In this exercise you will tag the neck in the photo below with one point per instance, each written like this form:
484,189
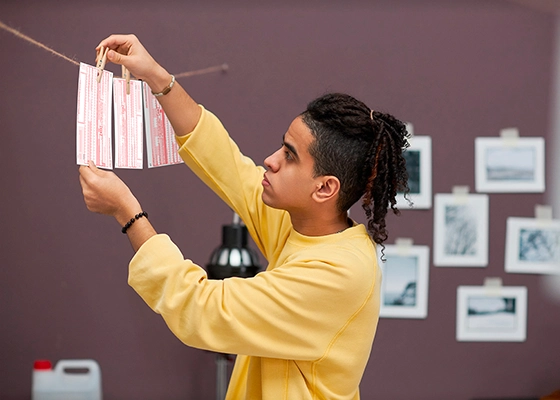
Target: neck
320,226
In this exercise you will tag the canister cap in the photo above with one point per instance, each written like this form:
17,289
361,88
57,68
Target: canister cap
42,365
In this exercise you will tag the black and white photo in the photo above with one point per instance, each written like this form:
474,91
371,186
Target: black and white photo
461,230
532,246
404,288
491,313
509,165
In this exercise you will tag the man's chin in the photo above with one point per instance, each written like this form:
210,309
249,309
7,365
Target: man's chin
267,201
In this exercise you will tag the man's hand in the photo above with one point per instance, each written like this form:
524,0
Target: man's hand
128,51
105,193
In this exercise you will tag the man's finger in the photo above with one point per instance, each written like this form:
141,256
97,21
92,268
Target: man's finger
93,167
115,57
84,170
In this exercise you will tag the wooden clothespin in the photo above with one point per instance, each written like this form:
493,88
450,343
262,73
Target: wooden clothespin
126,75
101,62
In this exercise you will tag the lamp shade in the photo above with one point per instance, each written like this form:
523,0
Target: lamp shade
233,257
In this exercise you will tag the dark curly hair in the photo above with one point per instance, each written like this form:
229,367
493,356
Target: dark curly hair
364,150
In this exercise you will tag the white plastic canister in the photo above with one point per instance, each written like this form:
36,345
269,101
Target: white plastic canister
69,380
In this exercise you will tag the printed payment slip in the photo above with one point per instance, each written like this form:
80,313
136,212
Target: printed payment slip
128,124
93,122
161,146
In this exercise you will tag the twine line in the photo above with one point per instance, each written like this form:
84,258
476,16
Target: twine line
36,43
222,68
15,32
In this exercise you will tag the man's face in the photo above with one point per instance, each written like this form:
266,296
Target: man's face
288,183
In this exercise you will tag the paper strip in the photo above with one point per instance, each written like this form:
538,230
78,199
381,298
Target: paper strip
93,119
128,124
161,146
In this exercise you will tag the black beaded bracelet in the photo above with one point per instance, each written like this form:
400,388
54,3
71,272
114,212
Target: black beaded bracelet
132,220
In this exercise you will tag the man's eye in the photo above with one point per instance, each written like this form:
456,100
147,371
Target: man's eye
287,155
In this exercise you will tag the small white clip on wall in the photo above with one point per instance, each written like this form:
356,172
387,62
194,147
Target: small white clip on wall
403,246
543,215
460,194
510,136
492,286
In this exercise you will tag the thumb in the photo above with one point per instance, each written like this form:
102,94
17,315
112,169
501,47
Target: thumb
116,57
92,166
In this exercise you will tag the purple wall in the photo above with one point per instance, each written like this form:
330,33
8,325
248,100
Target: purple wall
456,70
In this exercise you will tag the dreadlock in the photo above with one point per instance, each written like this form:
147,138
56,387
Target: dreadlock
363,149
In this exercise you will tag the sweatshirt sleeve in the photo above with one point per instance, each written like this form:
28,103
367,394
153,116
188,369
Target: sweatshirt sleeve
215,158
295,311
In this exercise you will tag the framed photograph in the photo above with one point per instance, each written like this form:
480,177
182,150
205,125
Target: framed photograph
509,165
461,230
404,288
491,314
419,167
532,246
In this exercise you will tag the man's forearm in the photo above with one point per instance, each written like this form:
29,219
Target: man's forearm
140,229
140,232
181,110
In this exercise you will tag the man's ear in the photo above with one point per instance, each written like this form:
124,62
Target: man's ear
327,188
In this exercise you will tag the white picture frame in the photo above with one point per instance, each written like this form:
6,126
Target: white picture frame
419,167
532,246
461,230
404,288
514,165
491,314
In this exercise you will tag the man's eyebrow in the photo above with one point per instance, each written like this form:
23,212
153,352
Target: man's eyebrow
290,147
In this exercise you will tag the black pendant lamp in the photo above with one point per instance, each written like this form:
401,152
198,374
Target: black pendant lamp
233,257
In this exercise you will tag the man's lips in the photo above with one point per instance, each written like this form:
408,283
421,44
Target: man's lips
265,181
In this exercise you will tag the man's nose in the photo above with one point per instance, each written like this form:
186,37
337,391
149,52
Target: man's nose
271,162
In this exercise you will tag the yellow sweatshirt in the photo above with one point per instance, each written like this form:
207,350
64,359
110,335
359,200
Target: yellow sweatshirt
302,329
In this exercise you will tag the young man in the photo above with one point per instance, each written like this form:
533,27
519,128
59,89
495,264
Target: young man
302,329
